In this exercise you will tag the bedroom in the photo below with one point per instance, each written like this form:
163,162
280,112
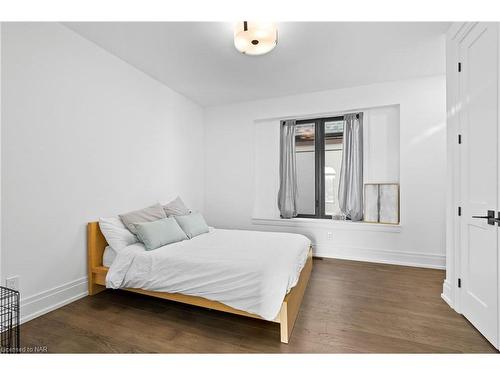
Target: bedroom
249,187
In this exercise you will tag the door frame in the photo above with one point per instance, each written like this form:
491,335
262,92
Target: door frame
451,292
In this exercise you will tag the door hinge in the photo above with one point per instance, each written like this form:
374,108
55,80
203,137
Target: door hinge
459,211
460,139
459,283
459,67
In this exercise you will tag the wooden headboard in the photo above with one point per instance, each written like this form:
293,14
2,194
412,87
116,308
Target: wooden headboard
96,243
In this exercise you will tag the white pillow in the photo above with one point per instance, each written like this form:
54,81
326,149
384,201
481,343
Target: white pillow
176,208
116,233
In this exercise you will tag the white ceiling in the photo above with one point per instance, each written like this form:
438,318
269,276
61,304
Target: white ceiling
198,59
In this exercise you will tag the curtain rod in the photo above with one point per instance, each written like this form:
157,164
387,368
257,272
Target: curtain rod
302,116
321,116
357,114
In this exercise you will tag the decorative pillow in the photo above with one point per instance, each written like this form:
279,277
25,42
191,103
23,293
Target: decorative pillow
145,215
117,235
193,225
159,233
176,207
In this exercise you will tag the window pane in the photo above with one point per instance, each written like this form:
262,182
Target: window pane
333,161
334,127
304,149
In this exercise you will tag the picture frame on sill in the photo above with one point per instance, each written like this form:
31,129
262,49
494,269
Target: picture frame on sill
382,203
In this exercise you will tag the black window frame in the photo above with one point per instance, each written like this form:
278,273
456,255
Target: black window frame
319,164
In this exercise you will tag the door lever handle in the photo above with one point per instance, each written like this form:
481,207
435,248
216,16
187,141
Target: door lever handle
496,219
490,217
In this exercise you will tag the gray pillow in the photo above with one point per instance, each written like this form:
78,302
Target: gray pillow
147,214
155,234
176,207
193,225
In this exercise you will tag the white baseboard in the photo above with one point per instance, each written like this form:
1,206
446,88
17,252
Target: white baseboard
402,258
446,295
46,301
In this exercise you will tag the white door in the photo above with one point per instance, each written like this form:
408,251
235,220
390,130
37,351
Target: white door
478,105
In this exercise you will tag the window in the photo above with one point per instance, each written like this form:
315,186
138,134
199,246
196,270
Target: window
318,147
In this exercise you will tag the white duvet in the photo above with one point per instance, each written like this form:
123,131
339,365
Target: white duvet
247,270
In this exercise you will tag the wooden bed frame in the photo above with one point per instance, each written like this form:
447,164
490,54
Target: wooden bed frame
96,243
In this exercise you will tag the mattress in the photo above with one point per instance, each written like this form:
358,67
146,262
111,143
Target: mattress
108,257
247,270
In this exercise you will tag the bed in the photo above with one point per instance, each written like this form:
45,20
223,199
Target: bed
126,271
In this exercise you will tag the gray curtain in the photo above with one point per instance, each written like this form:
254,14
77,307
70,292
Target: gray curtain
287,195
351,173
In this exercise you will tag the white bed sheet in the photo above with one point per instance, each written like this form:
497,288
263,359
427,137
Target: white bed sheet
108,257
247,270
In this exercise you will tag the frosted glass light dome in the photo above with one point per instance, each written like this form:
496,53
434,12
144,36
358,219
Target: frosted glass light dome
255,38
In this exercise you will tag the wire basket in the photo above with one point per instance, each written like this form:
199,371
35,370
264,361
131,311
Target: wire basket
9,320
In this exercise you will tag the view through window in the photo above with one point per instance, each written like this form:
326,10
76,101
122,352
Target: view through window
318,145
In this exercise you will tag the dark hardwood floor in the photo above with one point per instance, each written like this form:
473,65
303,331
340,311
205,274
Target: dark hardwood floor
349,307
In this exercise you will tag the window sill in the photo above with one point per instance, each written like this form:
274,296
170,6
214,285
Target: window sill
328,224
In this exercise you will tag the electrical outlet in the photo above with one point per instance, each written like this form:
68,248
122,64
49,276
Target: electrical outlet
12,282
329,236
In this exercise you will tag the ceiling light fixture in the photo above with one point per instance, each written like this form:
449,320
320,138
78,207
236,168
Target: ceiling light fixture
255,38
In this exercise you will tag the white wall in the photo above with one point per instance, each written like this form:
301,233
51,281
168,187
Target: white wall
381,156
232,154
84,135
